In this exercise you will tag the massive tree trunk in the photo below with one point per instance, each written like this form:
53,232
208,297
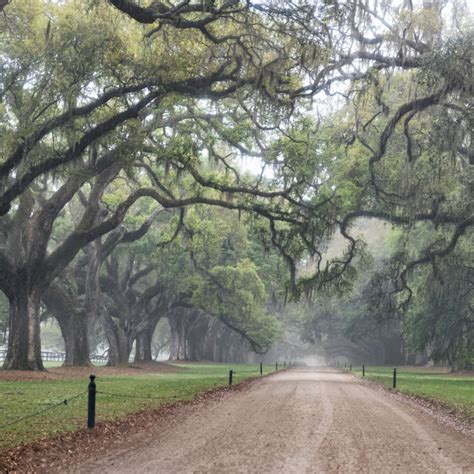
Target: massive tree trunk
75,330
144,339
194,346
120,341
119,348
24,345
174,340
73,322
197,336
177,344
143,347
26,267
91,304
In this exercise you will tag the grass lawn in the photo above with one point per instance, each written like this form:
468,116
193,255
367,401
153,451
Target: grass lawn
121,394
452,390
50,365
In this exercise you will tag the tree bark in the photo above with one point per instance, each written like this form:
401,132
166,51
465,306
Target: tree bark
73,322
120,344
24,345
175,343
75,331
143,346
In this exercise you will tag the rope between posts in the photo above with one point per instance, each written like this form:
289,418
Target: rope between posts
40,412
118,395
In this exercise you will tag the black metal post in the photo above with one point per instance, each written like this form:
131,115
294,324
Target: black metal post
91,403
284,364
350,368
363,370
261,368
394,378
231,373
276,366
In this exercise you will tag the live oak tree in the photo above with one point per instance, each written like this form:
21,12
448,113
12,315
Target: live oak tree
75,300
29,266
217,289
133,303
63,94
407,131
439,321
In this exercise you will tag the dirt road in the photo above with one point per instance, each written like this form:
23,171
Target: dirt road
296,421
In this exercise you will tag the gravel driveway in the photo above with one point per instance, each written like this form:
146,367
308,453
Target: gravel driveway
301,420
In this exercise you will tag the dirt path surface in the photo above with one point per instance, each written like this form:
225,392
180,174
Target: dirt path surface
297,421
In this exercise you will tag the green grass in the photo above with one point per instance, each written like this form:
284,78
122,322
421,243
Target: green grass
451,390
22,398
52,364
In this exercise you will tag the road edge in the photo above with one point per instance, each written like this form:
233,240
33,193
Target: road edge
45,454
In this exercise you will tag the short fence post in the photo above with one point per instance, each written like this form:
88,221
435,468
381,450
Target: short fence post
231,373
284,364
261,368
91,403
345,364
394,378
363,370
276,366
350,368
